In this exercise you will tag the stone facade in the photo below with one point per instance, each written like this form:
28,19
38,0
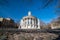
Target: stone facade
29,22
6,23
55,24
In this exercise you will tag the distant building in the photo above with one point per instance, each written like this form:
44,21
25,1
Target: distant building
29,22
1,19
55,24
7,23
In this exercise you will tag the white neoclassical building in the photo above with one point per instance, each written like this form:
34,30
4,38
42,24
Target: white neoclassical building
29,22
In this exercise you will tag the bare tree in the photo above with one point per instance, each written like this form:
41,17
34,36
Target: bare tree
58,8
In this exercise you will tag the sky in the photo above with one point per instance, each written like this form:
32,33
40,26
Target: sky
16,9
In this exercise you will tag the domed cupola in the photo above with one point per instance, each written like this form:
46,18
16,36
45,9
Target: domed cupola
29,16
